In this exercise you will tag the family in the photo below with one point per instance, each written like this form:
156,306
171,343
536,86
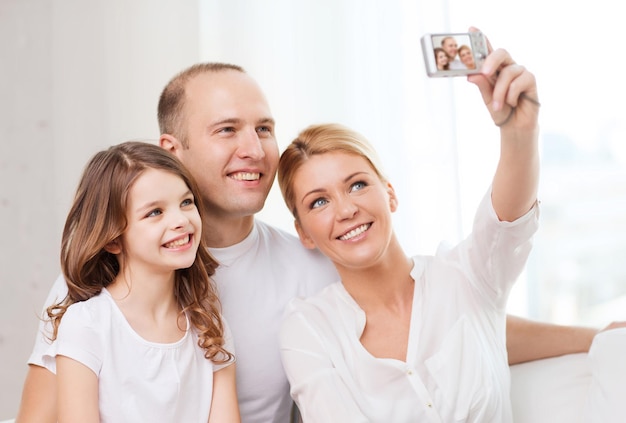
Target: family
176,304
452,57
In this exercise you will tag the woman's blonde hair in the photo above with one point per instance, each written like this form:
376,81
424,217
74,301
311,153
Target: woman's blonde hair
98,217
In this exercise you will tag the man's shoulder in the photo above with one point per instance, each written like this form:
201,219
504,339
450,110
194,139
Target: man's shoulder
280,240
268,231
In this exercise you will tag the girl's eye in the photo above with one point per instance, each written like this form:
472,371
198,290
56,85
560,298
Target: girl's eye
187,202
155,212
318,203
357,186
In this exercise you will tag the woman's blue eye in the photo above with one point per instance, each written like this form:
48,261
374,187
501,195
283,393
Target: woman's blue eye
187,202
318,203
357,186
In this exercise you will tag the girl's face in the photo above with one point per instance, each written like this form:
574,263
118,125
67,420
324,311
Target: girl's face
442,59
164,226
344,209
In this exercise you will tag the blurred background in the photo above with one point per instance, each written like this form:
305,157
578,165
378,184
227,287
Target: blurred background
77,76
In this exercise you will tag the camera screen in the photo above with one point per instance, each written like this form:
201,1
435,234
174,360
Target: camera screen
453,52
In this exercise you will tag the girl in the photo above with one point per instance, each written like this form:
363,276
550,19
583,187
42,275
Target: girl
403,339
139,336
441,59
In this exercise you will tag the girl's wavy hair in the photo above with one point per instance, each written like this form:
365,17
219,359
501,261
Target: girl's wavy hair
98,217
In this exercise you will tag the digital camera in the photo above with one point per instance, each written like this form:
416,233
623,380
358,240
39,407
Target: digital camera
454,54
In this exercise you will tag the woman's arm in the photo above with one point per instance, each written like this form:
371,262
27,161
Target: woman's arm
224,406
510,94
77,387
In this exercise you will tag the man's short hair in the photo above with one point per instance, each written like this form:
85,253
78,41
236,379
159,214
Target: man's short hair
172,100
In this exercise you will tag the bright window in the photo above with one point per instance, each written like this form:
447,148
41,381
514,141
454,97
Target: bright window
358,62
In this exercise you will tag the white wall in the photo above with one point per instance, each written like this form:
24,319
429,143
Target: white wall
75,76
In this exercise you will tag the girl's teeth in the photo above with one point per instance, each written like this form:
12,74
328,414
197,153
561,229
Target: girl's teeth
177,243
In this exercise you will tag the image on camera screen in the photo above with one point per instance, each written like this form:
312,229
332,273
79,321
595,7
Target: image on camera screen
453,52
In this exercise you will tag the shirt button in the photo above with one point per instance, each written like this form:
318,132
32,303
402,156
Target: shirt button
429,405
409,372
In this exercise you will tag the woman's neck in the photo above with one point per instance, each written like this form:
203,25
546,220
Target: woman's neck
387,282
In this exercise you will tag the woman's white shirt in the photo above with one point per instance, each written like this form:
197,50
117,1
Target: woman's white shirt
456,368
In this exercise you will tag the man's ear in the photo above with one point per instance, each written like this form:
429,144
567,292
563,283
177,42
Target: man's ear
393,198
114,247
304,238
170,143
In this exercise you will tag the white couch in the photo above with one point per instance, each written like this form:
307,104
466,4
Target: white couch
553,390
575,388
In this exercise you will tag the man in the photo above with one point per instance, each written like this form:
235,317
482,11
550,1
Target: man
450,46
215,118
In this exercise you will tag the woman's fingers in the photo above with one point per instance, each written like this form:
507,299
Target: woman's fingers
512,80
503,85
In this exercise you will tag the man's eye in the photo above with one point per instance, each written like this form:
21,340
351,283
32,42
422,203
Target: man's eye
264,130
227,129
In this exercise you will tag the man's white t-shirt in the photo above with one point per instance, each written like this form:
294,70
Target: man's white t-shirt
456,64
256,279
138,380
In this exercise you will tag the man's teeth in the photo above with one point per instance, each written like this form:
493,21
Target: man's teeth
246,176
355,232
178,242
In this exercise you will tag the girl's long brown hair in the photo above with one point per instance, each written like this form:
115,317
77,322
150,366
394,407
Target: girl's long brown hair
98,217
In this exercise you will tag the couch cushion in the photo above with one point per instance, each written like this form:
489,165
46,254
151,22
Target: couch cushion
607,393
552,390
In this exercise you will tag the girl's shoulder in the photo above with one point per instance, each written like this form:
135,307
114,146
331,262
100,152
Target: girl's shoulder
97,308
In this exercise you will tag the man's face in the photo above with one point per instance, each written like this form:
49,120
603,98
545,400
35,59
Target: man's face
232,151
450,46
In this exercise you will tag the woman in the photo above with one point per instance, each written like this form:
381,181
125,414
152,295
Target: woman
466,56
403,339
